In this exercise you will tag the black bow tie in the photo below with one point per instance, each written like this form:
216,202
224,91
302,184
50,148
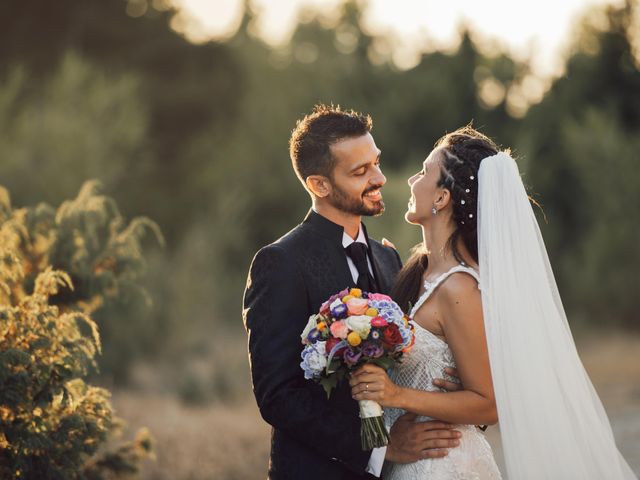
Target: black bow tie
357,251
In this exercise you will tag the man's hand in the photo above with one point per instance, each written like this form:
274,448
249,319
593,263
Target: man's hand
449,386
411,441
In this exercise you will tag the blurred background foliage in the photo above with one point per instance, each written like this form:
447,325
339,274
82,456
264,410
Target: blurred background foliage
194,136
58,268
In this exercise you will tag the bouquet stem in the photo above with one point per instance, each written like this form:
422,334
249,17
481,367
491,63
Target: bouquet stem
373,433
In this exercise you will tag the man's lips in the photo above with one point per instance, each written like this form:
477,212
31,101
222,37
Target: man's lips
373,194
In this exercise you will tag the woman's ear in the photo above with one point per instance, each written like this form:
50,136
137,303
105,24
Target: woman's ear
318,185
443,198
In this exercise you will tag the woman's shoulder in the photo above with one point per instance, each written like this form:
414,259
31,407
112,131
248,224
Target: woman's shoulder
460,286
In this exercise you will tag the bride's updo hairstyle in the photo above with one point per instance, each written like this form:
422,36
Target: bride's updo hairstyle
463,151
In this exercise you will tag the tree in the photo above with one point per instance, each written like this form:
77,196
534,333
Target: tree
52,423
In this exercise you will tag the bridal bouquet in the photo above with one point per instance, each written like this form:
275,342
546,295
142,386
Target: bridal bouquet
352,328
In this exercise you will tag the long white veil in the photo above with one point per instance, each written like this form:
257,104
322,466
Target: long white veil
552,422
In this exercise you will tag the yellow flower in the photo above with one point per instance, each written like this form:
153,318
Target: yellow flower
354,339
321,326
355,292
371,312
346,298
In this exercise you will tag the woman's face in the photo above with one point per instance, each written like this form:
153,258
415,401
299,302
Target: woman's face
424,189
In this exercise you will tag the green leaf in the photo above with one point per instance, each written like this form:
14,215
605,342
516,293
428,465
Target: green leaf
329,383
384,362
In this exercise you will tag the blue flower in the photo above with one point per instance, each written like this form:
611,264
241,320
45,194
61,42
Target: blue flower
314,359
406,336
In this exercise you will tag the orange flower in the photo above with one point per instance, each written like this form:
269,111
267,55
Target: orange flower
354,339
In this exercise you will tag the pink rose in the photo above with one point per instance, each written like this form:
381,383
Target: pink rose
339,329
379,296
324,309
357,306
343,293
379,322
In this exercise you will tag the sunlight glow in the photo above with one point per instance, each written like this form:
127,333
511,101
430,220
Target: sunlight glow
528,30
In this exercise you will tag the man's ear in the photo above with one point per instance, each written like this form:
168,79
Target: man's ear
318,185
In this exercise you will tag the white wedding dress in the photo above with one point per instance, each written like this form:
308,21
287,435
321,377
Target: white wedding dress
473,458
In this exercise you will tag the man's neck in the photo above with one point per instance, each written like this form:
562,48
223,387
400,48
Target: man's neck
348,221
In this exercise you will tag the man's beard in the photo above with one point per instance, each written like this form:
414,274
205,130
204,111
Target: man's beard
356,206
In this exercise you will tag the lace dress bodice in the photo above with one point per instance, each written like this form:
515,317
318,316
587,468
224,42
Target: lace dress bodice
473,459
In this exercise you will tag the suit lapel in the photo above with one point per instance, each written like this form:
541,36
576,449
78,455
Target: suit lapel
332,245
331,233
378,269
343,274
379,273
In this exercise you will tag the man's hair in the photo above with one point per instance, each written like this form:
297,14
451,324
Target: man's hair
310,142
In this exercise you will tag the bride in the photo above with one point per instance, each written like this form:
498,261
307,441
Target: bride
485,301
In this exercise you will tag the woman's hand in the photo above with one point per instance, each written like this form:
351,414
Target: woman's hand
371,382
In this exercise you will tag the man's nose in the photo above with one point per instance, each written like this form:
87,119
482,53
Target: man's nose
378,178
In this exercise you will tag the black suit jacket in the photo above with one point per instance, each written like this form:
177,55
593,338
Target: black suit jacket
312,437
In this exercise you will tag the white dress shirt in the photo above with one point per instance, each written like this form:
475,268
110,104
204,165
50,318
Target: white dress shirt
377,454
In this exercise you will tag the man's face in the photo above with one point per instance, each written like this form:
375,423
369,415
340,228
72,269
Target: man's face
357,179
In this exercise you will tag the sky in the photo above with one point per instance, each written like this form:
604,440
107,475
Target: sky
538,31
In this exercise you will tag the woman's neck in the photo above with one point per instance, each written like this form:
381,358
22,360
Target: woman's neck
435,237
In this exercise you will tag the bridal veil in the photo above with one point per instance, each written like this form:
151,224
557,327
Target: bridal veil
552,422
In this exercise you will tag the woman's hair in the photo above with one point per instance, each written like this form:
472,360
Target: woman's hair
463,151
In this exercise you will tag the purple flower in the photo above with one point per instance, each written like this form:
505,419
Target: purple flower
338,295
314,335
339,311
372,350
351,357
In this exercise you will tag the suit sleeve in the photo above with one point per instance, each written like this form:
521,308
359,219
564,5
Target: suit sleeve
275,312
397,258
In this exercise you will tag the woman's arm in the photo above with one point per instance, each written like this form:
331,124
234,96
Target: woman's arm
460,303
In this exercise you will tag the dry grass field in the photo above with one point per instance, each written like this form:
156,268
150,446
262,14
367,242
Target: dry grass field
229,441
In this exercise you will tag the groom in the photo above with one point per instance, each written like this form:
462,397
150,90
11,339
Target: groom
337,161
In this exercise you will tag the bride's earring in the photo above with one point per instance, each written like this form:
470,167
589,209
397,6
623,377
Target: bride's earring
434,210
